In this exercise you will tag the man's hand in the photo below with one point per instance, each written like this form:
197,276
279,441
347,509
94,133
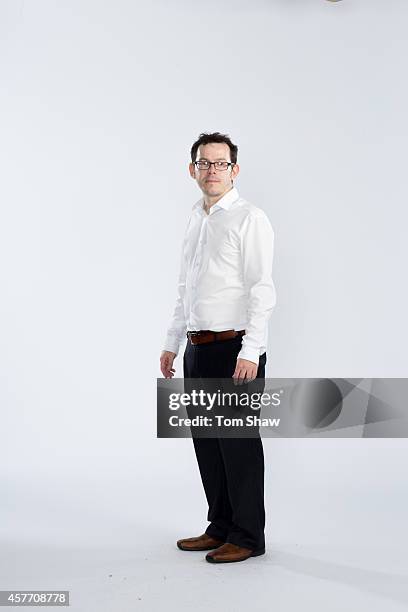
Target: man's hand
245,371
166,364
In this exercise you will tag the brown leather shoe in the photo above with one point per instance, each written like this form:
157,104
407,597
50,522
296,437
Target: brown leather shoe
202,542
230,553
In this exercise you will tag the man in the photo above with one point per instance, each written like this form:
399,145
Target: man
225,298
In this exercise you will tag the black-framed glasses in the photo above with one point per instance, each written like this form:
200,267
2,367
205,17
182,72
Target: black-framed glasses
204,164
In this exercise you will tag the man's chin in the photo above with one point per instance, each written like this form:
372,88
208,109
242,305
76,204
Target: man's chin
213,189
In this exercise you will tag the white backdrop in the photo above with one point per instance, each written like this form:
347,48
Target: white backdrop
100,103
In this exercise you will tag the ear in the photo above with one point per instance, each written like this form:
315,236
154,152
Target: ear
234,171
191,168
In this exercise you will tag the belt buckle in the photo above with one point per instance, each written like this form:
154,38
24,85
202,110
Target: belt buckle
192,335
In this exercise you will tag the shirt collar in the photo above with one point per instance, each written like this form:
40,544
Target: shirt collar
225,202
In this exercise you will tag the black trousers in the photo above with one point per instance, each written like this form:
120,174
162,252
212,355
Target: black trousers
231,469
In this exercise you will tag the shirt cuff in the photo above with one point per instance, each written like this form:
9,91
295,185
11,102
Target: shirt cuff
172,344
250,354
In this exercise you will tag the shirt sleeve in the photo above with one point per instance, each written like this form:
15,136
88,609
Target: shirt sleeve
257,243
176,332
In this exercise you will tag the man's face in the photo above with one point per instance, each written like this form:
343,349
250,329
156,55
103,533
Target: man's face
212,182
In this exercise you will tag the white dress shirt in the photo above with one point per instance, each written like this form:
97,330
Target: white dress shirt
225,279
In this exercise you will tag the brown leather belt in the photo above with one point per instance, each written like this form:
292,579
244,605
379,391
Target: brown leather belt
206,335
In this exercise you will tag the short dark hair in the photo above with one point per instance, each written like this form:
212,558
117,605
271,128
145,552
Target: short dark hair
206,138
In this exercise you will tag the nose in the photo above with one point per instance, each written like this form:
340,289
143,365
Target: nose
211,169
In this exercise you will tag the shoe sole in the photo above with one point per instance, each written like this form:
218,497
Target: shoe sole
256,553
